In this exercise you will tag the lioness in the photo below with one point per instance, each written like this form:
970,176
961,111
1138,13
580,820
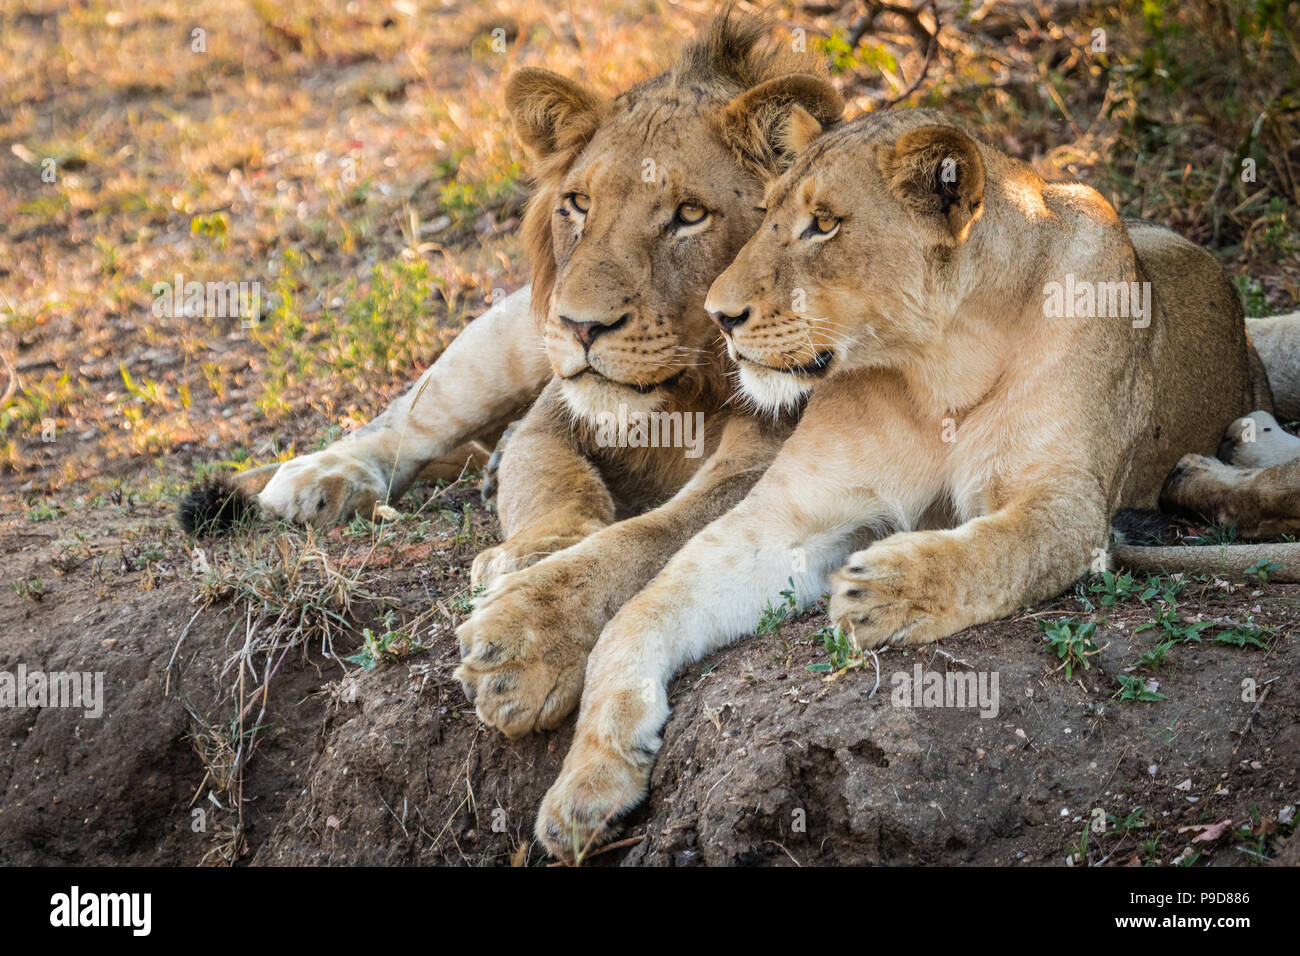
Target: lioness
975,437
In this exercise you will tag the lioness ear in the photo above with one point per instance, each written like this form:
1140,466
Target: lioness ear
550,112
936,171
771,123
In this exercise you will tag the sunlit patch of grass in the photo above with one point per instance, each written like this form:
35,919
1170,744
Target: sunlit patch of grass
31,405
154,414
379,330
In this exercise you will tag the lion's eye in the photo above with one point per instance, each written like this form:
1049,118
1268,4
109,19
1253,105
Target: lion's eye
822,226
579,202
691,214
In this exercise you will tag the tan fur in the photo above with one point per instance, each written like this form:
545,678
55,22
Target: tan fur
1277,338
978,445
1253,485
1258,502
619,284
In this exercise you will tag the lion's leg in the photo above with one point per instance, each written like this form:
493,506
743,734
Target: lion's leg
524,650
551,496
488,374
1277,340
1258,502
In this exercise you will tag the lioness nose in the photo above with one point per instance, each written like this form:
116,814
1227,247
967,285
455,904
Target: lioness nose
727,321
588,332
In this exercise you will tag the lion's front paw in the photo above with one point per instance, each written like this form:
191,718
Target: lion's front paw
523,657
324,489
513,555
595,788
877,597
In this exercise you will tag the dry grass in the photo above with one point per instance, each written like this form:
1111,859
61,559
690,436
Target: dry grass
356,162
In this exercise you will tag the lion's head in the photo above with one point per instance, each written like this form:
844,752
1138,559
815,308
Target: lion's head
855,263
643,200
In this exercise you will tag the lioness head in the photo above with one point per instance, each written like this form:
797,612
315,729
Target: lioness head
853,265
642,201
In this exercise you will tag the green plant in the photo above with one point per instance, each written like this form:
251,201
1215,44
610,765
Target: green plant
1215,535
214,226
840,649
1132,821
1245,635
392,644
463,603
31,588
1261,569
775,615
1072,641
1136,688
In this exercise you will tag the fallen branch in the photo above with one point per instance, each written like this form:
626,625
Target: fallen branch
1232,560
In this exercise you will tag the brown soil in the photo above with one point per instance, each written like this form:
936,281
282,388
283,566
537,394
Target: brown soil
764,761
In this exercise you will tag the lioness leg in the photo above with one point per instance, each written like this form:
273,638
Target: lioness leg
524,650
711,592
487,376
803,517
920,586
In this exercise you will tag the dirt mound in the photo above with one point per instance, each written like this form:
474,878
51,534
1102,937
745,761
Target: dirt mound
765,761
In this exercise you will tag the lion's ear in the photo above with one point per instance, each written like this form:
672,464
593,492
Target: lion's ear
772,122
801,128
552,113
936,171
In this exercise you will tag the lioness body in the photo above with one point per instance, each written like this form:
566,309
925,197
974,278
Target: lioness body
981,439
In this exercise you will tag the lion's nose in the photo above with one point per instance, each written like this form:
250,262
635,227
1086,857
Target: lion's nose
588,332
727,320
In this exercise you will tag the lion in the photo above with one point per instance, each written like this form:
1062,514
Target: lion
967,431
640,202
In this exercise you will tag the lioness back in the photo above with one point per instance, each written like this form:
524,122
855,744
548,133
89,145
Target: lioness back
1204,373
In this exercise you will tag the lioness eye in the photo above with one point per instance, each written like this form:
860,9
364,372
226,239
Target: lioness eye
822,225
580,202
691,213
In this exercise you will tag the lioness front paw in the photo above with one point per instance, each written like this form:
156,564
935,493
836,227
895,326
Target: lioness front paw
878,597
596,787
324,489
524,654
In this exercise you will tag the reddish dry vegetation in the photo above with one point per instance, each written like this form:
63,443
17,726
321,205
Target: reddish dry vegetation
356,162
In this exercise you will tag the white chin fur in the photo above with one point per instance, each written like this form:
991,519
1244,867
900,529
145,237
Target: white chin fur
589,396
773,392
